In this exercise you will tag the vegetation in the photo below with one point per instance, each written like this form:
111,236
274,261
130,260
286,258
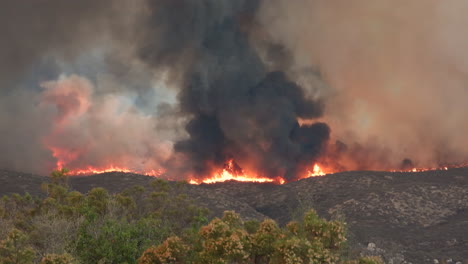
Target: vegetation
152,225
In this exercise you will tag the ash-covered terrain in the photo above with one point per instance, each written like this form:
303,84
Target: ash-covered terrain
403,217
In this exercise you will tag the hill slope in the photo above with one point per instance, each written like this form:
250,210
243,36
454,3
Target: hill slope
413,216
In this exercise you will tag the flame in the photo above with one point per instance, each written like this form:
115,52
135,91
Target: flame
229,174
111,168
316,171
65,157
428,169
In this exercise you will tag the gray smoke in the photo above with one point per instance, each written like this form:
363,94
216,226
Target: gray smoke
45,39
85,70
397,74
189,85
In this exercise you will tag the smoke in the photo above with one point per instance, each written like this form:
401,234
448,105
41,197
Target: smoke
90,131
187,86
33,30
239,107
93,118
396,72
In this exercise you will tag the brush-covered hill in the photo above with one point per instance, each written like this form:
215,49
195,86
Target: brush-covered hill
404,217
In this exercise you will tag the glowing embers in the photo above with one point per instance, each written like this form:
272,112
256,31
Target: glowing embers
424,169
232,172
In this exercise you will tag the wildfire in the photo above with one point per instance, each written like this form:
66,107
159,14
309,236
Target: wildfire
229,174
425,169
316,171
91,170
65,157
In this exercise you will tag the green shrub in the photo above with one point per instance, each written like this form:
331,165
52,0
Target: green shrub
172,251
228,240
15,249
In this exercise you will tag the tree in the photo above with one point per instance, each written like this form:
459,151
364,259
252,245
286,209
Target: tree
60,177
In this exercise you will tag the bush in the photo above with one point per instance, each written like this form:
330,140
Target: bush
173,250
229,240
15,249
58,259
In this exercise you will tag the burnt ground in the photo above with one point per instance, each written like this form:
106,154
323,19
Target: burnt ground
410,217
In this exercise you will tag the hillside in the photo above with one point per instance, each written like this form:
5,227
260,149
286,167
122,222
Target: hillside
415,217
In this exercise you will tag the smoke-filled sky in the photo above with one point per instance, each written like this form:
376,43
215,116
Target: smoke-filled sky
186,85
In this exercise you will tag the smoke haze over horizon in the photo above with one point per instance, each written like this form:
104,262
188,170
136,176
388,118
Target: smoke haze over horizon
184,86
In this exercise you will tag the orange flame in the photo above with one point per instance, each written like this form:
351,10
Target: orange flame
64,157
317,171
228,174
231,172
111,168
426,169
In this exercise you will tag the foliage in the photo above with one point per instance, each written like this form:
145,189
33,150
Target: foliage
117,241
172,250
67,226
58,259
14,249
153,225
59,177
230,240
224,240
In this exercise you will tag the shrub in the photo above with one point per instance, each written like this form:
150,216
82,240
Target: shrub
15,249
226,240
172,251
58,259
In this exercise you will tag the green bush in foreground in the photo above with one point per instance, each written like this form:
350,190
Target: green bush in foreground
67,226
14,249
226,240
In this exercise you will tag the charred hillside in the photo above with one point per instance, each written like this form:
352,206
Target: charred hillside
415,217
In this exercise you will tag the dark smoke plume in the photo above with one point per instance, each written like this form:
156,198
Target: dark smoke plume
240,109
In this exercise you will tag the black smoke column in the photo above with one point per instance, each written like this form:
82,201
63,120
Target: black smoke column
238,109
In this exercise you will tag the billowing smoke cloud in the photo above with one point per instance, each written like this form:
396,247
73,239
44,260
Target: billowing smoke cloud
236,98
396,72
238,109
187,86
42,40
92,131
